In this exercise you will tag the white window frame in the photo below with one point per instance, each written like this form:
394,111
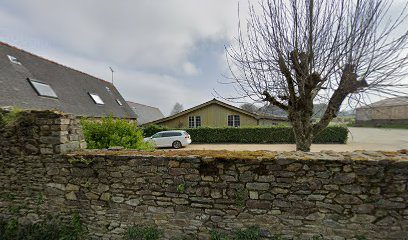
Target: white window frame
194,121
13,60
35,83
236,120
96,98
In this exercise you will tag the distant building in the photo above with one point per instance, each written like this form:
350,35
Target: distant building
387,111
28,81
145,113
215,113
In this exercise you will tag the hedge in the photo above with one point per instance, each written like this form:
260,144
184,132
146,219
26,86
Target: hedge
275,134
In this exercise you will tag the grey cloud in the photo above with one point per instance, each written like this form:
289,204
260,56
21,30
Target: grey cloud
132,33
149,43
152,44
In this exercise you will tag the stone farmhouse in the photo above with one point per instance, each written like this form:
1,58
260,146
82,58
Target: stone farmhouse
387,111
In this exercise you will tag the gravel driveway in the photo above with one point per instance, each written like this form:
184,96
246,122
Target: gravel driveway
359,139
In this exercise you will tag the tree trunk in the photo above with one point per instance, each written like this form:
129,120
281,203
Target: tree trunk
300,117
303,137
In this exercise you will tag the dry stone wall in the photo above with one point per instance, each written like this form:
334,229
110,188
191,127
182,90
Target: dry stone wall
298,195
40,132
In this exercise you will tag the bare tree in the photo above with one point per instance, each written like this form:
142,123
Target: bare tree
294,53
176,109
249,107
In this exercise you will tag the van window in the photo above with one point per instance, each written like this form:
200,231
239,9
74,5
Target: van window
157,135
171,134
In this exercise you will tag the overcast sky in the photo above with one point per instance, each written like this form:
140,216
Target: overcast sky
162,51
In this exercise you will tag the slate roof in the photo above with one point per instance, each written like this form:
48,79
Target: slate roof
145,113
218,102
389,102
71,86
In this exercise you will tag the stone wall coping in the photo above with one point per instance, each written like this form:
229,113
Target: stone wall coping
369,156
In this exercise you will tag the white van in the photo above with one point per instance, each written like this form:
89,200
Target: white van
175,139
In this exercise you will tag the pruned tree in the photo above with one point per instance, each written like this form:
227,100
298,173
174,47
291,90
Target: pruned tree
176,109
294,53
249,107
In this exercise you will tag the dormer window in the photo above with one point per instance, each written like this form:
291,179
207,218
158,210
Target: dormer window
42,89
13,60
95,97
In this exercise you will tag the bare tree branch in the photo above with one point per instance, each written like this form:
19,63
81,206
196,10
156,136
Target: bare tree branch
294,53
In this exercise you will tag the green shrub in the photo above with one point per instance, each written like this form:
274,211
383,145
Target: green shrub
142,233
51,229
150,130
240,197
2,120
275,134
216,235
251,233
9,117
111,132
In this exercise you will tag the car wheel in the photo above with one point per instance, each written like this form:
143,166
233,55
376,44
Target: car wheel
176,144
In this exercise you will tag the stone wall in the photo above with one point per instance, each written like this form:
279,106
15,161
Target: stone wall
300,195
338,195
40,132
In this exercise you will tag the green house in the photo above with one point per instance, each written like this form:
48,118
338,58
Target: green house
216,113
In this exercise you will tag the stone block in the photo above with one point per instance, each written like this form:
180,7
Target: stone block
105,197
258,204
72,187
71,196
347,199
133,202
117,199
253,195
257,186
56,185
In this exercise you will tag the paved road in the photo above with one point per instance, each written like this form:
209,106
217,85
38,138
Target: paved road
359,139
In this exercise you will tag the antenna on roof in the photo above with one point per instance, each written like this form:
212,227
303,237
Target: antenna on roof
112,73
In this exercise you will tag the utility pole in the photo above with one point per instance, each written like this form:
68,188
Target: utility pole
112,73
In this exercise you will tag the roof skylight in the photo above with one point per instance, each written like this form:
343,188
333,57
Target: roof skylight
95,97
119,102
42,89
13,60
